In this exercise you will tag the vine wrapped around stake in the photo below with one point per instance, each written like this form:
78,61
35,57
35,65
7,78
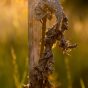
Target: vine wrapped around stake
44,10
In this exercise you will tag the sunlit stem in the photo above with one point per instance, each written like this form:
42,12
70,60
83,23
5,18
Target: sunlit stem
43,35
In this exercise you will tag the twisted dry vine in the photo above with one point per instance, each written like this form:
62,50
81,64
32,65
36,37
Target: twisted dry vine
40,73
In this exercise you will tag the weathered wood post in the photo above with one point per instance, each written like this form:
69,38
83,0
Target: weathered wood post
34,33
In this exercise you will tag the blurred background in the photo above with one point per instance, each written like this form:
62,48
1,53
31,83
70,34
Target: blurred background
13,43
71,71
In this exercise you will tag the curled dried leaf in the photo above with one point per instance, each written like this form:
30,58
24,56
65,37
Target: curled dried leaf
67,46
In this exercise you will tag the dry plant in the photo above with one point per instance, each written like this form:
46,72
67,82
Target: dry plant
39,74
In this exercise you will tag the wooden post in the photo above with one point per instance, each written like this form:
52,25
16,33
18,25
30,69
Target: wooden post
34,35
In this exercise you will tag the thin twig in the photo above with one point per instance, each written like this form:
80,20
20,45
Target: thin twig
43,35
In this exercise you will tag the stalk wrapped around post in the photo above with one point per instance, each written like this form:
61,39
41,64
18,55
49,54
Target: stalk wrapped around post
43,11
